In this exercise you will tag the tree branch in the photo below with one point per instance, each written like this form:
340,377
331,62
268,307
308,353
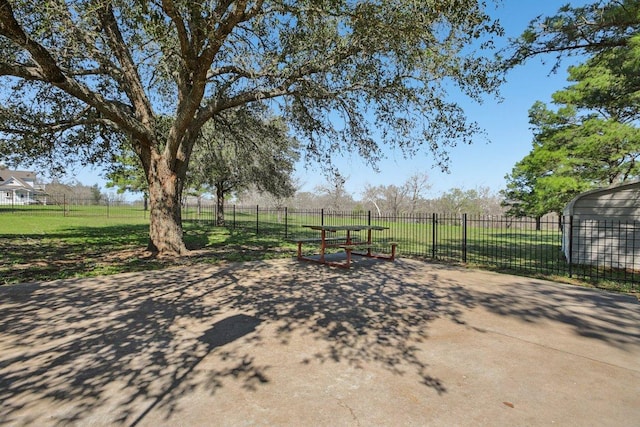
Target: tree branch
132,84
60,126
47,70
11,29
183,37
22,71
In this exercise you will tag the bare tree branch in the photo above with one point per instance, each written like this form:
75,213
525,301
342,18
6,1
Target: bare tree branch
131,79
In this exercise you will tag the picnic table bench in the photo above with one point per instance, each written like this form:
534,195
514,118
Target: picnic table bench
369,247
302,241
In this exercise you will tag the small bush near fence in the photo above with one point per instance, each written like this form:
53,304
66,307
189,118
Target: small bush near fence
603,252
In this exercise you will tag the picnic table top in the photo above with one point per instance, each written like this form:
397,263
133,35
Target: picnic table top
346,227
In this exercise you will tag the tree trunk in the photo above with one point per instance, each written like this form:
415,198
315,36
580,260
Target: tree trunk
220,204
165,228
538,223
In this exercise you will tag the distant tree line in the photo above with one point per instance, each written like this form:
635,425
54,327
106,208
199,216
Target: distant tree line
75,191
411,197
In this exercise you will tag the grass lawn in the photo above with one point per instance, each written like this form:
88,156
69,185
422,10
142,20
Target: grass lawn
52,247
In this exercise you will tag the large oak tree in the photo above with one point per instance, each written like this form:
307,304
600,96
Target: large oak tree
81,76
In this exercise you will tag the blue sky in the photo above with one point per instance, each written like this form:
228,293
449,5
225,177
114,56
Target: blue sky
487,161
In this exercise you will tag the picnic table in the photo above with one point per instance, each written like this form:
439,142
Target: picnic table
329,238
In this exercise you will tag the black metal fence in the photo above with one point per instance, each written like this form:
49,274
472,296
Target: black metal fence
65,205
603,251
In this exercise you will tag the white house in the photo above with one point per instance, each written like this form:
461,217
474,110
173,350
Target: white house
602,227
19,188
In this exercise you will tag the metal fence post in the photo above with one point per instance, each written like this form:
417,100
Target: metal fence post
464,238
369,217
286,219
570,246
322,216
257,219
434,222
234,217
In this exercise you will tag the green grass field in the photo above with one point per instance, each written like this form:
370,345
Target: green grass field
87,243
54,247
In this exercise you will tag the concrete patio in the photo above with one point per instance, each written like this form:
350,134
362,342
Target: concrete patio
289,343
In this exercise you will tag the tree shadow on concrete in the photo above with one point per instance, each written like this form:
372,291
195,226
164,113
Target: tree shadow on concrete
610,318
72,344
357,316
123,346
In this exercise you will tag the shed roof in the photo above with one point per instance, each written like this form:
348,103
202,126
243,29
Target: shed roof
569,209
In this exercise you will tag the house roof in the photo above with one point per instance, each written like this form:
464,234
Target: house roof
6,174
612,188
23,184
25,179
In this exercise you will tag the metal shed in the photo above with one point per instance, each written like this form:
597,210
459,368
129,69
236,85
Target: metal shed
602,227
